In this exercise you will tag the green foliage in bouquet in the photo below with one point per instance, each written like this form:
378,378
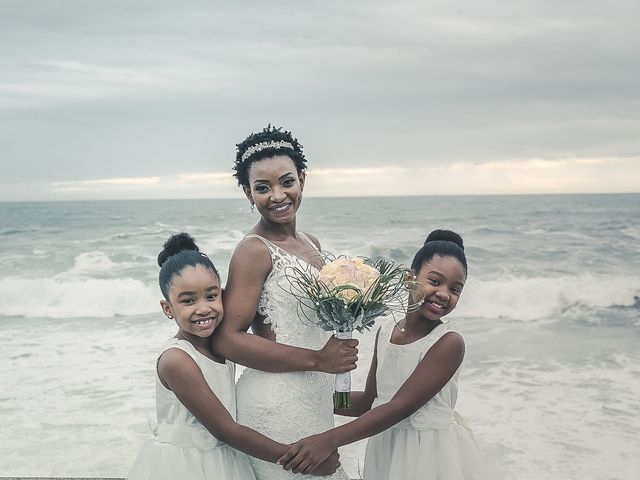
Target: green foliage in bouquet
349,293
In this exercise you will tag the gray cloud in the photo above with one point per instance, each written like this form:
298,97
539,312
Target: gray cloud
118,89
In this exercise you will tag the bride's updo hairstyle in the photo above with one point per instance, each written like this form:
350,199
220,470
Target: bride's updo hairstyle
180,251
443,243
268,143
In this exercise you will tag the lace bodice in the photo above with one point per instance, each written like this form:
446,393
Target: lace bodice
280,308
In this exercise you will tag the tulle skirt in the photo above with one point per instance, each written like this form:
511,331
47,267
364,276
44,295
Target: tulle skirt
163,461
434,454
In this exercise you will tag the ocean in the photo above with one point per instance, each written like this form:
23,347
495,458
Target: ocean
550,316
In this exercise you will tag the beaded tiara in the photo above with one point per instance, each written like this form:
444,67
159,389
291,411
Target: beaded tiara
258,147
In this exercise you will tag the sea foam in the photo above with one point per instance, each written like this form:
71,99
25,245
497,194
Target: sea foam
74,298
91,287
91,263
535,298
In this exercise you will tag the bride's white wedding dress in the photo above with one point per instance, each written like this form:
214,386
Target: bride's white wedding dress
286,406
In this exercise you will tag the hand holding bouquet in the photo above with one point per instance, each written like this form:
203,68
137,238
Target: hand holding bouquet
348,294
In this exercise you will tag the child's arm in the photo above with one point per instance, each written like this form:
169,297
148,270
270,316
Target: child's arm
430,376
250,265
181,374
361,401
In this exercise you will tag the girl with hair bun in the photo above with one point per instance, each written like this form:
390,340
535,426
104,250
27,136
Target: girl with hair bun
408,404
287,392
195,386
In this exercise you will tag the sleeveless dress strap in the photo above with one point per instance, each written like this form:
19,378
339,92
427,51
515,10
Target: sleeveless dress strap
264,240
309,241
271,245
384,336
442,330
447,328
276,250
452,330
183,345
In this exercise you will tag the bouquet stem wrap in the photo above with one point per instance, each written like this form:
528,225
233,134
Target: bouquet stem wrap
342,393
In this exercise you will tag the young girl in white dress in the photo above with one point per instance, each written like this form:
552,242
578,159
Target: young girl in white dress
408,404
286,393
197,437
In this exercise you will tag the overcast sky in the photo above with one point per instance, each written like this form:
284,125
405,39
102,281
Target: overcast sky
147,98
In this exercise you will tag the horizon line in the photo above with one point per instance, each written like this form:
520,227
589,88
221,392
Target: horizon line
125,199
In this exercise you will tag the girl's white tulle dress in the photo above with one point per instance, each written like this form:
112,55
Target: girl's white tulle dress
433,443
181,447
286,406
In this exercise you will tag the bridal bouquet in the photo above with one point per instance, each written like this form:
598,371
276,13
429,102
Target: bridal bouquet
348,294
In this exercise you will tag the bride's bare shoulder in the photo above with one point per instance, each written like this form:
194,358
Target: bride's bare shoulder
251,252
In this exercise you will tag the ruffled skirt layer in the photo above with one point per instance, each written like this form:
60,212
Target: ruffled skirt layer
434,454
163,461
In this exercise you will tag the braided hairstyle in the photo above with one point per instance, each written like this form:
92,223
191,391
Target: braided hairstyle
443,243
258,146
180,251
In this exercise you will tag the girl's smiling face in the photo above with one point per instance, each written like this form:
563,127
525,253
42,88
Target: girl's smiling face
439,283
275,186
195,301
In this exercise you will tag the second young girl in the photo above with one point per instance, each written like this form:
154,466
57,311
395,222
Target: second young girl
195,390
408,403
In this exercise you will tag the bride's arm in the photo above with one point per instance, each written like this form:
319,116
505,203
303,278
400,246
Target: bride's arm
250,265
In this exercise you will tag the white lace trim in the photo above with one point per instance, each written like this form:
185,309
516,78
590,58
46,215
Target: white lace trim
280,308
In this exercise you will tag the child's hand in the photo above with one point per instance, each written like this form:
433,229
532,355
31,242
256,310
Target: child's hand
307,455
329,466
338,356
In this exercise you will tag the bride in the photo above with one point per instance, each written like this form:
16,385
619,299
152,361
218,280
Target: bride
286,393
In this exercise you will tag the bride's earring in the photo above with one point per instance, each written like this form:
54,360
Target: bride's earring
252,205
